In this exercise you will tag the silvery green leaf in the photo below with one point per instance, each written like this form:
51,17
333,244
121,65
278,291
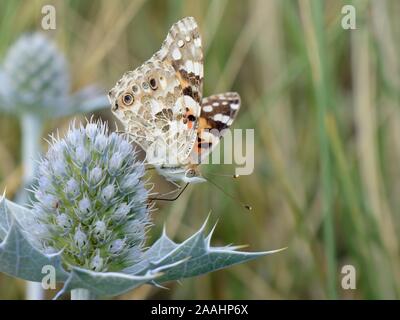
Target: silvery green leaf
162,247
196,254
5,219
18,256
106,284
165,260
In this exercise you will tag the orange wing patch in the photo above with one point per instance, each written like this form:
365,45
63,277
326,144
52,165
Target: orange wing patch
217,114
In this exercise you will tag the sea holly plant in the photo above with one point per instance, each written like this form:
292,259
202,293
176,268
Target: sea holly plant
89,219
35,86
35,79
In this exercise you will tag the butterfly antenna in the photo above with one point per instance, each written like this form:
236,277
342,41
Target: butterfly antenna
234,176
246,206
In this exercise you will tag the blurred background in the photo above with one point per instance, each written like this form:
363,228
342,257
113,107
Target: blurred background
324,103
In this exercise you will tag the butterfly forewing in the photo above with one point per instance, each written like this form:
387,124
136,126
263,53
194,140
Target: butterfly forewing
183,50
217,114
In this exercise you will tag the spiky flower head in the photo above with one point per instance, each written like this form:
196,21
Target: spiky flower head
90,199
36,74
35,79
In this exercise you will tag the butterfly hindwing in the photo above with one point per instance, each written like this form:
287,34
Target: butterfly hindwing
159,101
217,114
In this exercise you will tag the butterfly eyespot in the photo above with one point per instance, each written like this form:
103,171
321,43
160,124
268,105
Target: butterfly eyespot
135,88
153,84
191,118
128,99
145,85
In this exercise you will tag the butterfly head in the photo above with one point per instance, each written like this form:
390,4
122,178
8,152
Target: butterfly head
193,175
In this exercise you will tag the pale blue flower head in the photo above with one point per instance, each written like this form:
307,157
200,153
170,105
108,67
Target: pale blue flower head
35,79
83,200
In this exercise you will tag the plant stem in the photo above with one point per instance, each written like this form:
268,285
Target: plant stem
31,127
34,291
82,294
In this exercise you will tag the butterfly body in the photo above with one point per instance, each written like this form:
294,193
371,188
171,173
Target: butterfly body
186,173
161,106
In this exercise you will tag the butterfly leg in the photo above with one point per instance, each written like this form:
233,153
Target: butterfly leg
171,192
173,198
175,184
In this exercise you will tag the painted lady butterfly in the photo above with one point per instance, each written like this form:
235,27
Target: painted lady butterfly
161,106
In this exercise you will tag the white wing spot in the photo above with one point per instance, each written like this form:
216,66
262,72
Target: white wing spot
234,106
155,106
197,68
225,119
207,108
189,66
176,54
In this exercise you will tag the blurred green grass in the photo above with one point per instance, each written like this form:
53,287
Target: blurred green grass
324,103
